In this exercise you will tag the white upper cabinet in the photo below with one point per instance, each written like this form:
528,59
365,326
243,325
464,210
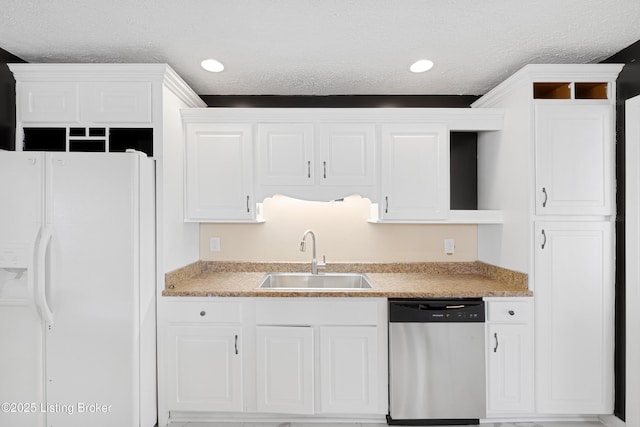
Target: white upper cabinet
219,172
348,154
47,102
316,161
397,158
415,172
285,154
116,102
85,103
574,151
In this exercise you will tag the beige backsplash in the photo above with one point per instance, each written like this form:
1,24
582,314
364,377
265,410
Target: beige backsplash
343,234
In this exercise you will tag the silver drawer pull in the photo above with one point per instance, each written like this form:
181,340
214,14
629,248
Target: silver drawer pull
511,312
203,313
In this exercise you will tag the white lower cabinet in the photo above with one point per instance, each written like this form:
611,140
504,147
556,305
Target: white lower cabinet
327,356
262,359
284,369
205,368
348,369
574,317
510,368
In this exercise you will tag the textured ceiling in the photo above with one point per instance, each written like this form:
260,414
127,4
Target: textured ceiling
324,47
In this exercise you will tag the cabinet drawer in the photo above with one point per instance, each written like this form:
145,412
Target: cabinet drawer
509,311
204,312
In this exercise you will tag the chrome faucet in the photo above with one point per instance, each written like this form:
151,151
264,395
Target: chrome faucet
314,260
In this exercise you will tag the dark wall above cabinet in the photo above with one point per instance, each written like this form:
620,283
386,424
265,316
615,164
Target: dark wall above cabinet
339,101
464,170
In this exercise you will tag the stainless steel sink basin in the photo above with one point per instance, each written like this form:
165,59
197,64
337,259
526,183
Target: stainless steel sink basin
307,281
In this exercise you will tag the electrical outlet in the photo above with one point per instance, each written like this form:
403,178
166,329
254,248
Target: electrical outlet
449,246
214,244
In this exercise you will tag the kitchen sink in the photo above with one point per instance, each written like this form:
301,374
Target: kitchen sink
308,281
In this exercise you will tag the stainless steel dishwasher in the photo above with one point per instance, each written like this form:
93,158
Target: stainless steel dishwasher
436,361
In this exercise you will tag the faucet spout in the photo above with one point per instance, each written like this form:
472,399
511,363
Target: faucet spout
314,260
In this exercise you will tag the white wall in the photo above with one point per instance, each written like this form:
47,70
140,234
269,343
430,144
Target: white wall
343,235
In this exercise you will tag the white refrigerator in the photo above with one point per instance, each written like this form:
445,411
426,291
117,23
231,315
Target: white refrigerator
77,290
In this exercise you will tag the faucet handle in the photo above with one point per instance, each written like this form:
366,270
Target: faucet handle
322,265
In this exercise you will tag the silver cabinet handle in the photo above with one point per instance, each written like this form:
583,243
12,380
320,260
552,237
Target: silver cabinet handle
248,204
236,344
544,242
308,169
386,204
324,166
495,336
546,197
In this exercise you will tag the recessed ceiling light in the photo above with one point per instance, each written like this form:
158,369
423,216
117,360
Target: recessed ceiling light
421,66
212,65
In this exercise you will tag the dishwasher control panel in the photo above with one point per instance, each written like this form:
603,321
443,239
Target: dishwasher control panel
437,310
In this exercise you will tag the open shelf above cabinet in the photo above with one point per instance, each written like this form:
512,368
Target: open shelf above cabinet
569,90
454,217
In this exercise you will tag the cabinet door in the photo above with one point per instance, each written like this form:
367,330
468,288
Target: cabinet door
348,370
204,368
219,172
510,365
573,159
286,154
119,102
574,317
347,154
47,102
415,172
285,369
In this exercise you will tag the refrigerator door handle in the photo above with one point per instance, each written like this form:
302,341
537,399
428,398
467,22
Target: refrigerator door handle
41,269
31,281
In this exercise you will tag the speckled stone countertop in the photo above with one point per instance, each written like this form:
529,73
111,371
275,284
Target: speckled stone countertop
393,280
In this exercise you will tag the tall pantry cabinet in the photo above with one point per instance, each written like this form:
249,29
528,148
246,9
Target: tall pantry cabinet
551,170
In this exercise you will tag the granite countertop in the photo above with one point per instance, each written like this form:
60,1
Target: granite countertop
394,280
